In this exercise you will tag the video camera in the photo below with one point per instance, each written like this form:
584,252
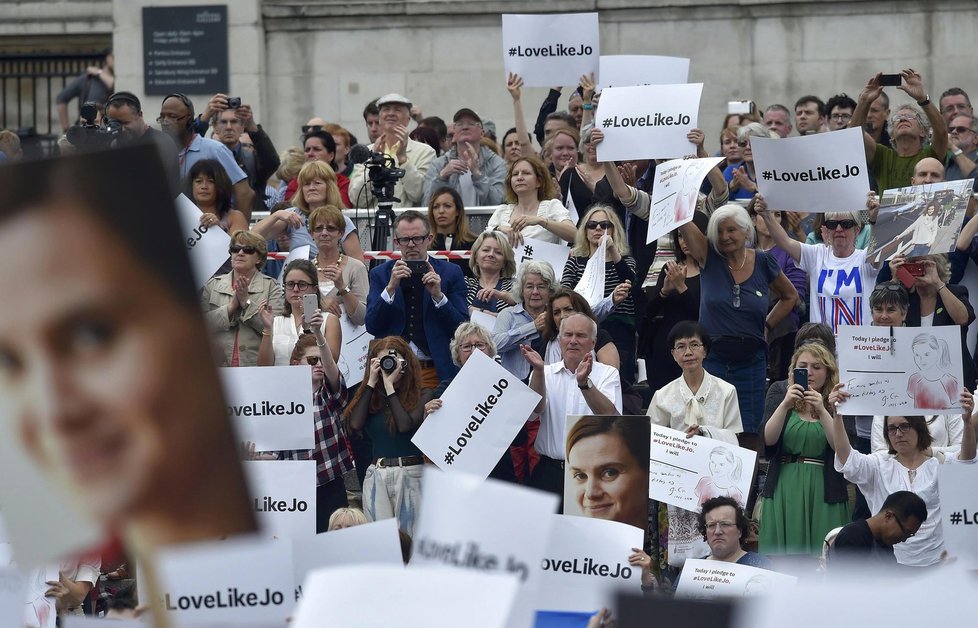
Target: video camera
89,136
384,174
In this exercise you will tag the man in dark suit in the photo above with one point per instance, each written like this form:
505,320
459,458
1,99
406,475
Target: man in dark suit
418,298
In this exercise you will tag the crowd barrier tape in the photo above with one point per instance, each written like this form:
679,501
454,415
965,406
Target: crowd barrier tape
387,255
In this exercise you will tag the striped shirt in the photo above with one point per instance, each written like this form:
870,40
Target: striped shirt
614,274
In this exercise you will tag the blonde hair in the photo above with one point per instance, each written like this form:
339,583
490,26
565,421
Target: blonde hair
243,237
311,171
582,247
821,353
509,259
292,160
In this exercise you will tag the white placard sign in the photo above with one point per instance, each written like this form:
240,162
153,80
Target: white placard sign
959,511
551,49
554,254
244,579
632,70
591,284
675,193
486,320
375,543
648,122
283,495
707,579
586,564
466,523
482,410
270,406
825,172
299,252
354,352
685,472
81,621
13,594
380,596
900,370
207,248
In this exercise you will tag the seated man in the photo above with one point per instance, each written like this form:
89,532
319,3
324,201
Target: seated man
869,542
423,304
724,527
568,388
473,170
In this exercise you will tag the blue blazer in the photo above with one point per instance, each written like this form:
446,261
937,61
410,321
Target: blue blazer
385,319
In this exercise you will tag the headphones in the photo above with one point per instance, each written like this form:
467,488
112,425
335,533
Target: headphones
127,98
186,101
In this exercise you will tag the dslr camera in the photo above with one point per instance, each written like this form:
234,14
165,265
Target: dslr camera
391,362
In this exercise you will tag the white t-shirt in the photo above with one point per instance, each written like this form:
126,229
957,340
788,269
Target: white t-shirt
839,286
551,209
565,398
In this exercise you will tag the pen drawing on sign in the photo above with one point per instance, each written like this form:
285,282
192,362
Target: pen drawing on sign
725,473
934,387
919,220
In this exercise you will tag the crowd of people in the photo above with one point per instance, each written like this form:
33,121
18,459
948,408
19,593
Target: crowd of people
725,310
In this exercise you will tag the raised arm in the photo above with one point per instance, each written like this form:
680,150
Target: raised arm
913,86
780,236
538,382
789,298
867,96
513,84
696,242
331,371
970,432
835,426
587,95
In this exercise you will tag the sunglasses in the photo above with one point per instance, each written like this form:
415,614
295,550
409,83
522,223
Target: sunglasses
309,128
236,248
594,224
328,228
958,130
833,224
312,360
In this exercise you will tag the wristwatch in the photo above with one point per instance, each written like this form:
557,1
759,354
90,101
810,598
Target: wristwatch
342,292
588,385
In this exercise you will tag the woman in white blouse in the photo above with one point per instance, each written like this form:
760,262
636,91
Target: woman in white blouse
945,431
533,209
907,467
696,403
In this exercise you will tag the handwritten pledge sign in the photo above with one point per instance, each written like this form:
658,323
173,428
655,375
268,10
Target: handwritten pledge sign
356,348
706,579
675,193
207,248
685,472
283,496
270,405
915,370
591,284
482,410
586,564
554,254
825,172
375,543
466,523
959,511
235,581
648,122
551,49
632,70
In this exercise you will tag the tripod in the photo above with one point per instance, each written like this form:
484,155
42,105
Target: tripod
383,219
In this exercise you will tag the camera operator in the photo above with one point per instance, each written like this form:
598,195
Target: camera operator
413,157
125,108
231,118
419,298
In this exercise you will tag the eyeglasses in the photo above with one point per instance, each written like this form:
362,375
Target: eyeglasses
693,346
237,248
717,526
906,116
736,295
312,360
841,117
530,287
833,224
594,224
415,240
329,228
468,125
903,428
471,346
903,529
958,130
301,285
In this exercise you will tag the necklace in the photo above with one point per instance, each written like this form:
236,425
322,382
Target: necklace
741,264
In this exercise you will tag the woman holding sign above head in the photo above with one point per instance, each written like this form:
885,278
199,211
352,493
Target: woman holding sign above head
911,465
533,209
389,406
613,305
804,496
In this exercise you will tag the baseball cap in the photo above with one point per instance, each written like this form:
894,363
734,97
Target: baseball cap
465,111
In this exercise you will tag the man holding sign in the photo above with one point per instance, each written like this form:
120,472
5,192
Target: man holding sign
566,387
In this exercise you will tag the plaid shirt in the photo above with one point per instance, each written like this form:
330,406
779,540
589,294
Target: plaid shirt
333,454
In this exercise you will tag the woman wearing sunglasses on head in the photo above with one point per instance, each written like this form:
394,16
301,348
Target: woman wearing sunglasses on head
231,302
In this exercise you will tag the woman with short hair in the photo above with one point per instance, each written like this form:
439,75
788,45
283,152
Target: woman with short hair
493,265
524,322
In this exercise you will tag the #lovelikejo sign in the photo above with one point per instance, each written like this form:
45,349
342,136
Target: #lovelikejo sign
551,49
284,496
825,172
207,248
482,410
270,406
959,511
648,122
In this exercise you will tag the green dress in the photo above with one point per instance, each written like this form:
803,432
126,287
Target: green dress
796,519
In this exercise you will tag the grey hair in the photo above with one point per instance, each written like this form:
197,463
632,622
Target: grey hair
923,121
534,267
586,134
594,324
754,129
730,212
466,329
